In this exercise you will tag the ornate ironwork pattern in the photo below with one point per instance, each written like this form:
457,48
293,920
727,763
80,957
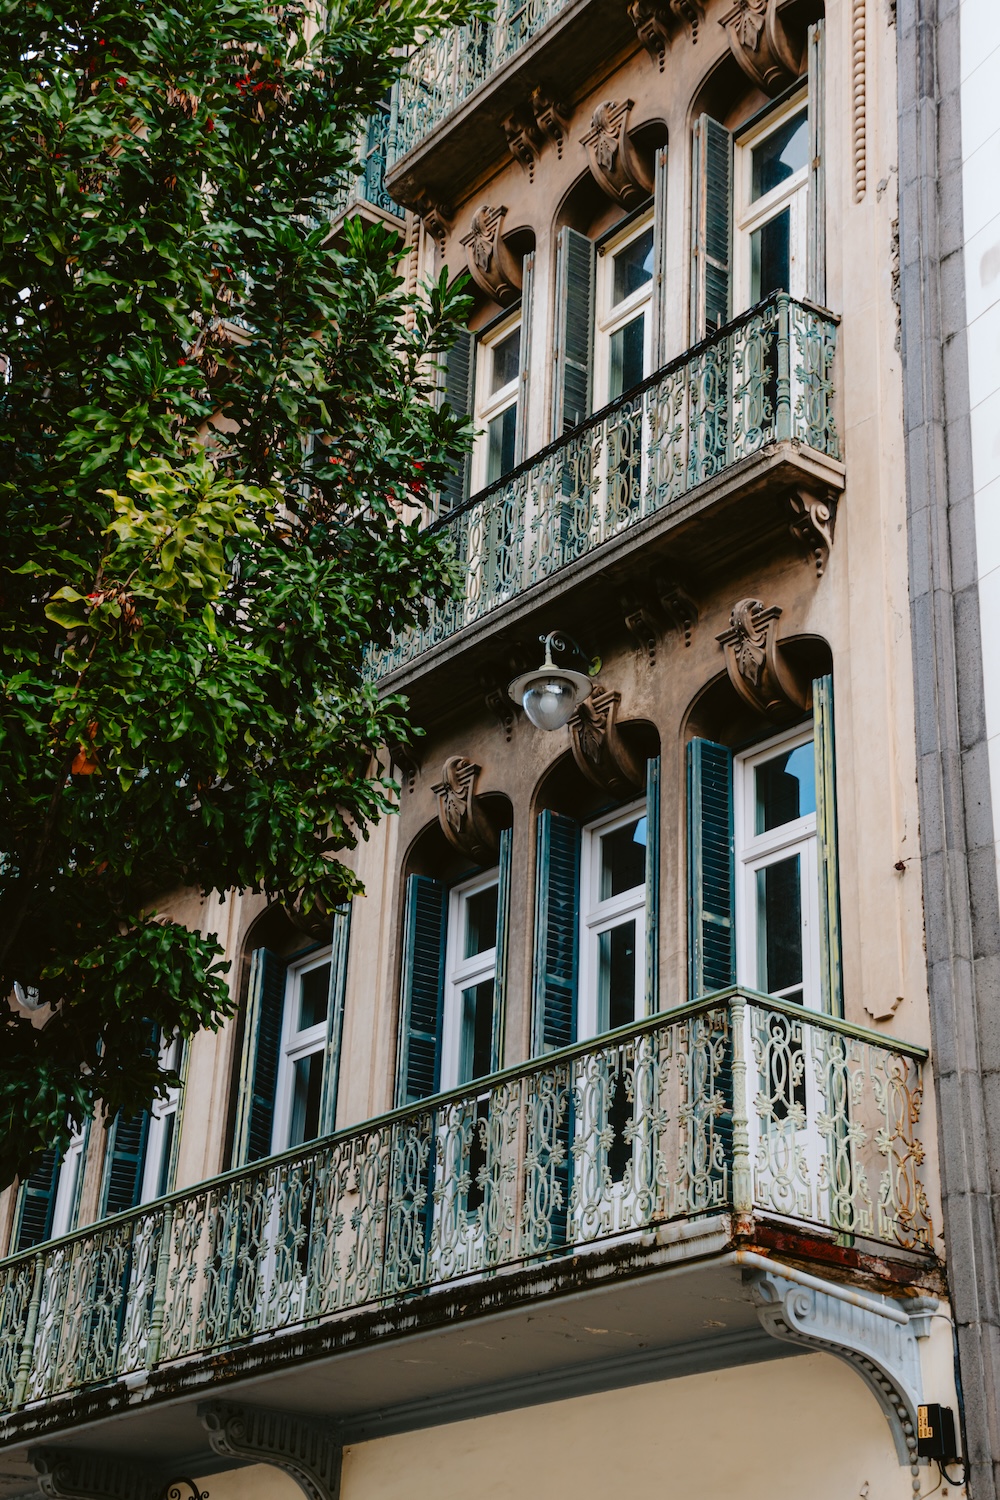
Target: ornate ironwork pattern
734,1103
765,378
368,185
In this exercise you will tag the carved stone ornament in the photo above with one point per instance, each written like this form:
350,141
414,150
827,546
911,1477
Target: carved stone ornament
761,44
755,667
614,165
436,218
551,118
503,711
642,626
677,604
493,268
523,140
463,822
307,1451
880,1345
66,1475
653,23
598,748
812,525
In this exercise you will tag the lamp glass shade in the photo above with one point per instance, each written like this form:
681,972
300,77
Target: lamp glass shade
550,696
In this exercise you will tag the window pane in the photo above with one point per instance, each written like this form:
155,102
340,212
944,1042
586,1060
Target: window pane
623,859
633,267
307,1084
626,357
506,361
502,434
477,1031
314,994
779,928
785,788
616,977
480,922
162,1184
770,256
784,153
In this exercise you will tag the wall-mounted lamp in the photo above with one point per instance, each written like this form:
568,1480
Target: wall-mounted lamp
551,695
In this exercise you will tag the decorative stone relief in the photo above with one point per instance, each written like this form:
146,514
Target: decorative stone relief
761,44
493,268
598,748
880,1346
435,217
67,1475
812,525
503,711
641,626
678,606
551,118
859,95
653,24
408,761
523,140
307,1451
463,822
614,165
755,667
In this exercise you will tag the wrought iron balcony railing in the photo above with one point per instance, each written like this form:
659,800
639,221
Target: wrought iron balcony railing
764,378
737,1102
441,74
369,185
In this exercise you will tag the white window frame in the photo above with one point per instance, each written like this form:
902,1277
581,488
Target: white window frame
597,916
610,316
491,404
69,1183
461,974
295,1045
749,215
161,1135
755,851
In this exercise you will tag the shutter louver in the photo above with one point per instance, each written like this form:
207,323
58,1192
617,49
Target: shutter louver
816,249
711,220
652,885
38,1202
826,847
573,355
557,902
261,1044
124,1163
659,293
335,1018
712,935
524,385
419,1069
503,947
458,372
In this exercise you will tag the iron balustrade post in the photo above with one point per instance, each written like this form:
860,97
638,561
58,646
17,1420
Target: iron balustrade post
783,401
158,1311
742,1176
28,1345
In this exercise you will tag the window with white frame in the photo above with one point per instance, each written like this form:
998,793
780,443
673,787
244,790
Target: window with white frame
160,1139
69,1183
771,190
498,374
299,1090
777,919
470,982
612,921
624,331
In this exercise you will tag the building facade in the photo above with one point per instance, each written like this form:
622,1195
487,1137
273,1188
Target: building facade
599,1141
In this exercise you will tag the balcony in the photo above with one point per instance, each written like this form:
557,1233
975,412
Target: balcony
715,434
366,191
737,1120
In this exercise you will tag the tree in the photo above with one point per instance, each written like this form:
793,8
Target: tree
215,429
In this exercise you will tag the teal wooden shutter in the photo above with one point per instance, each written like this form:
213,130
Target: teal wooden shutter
711,881
711,227
574,342
340,942
557,915
652,885
459,369
261,1044
124,1163
503,949
660,259
422,998
816,251
37,1202
524,381
826,847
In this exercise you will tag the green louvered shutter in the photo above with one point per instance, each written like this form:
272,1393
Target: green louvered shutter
660,309
261,1044
124,1163
524,378
458,376
503,949
424,930
652,885
816,249
335,1018
826,847
38,1202
712,935
711,221
573,354
557,916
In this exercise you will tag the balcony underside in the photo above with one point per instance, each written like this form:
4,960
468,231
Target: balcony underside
649,1308
697,540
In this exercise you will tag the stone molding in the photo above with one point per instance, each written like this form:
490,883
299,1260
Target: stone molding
307,1451
655,20
492,266
754,664
614,164
599,752
813,517
460,813
761,44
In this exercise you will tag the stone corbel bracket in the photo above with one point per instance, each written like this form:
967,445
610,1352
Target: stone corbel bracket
408,761
492,266
881,1346
463,821
307,1451
64,1474
761,44
653,23
598,749
755,667
551,117
812,523
676,604
524,140
435,217
614,164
